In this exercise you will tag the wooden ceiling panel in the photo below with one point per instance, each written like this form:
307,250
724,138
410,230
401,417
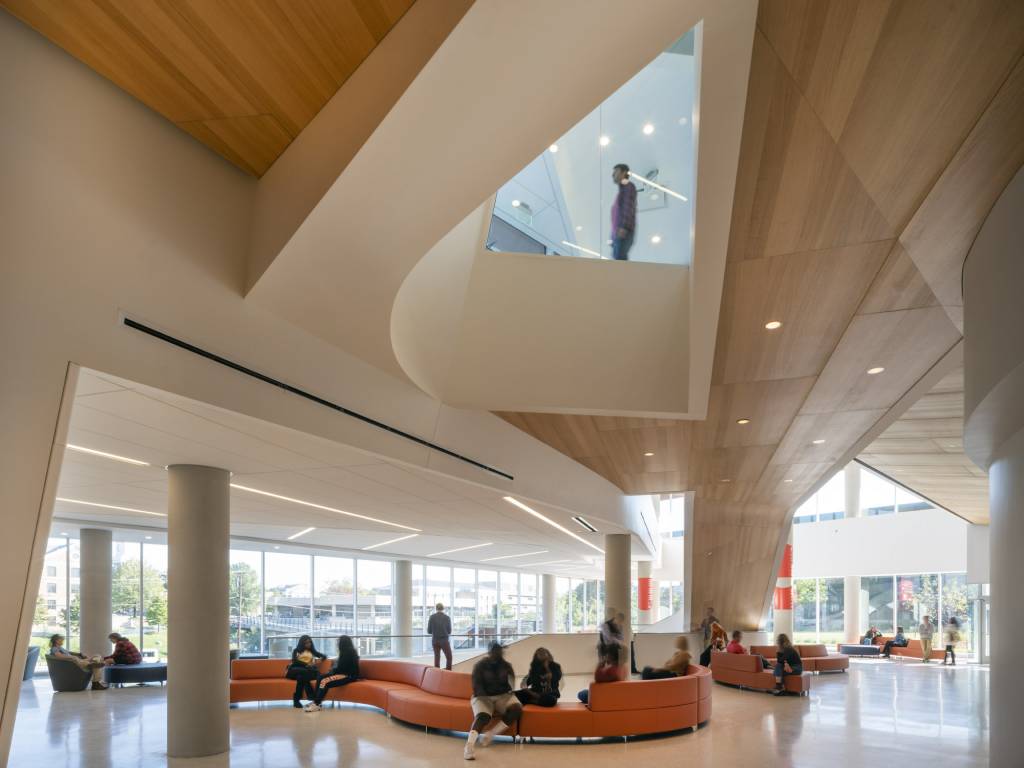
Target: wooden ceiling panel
798,192
814,295
243,76
898,285
769,405
905,343
838,430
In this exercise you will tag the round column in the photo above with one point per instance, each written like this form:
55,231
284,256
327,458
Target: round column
994,439
198,508
401,622
94,598
617,581
851,584
549,596
783,599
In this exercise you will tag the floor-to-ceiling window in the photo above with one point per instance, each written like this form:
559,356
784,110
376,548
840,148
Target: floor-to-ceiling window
287,598
487,604
805,611
563,605
880,602
463,610
154,602
528,604
333,599
126,589
245,603
917,596
509,599
373,618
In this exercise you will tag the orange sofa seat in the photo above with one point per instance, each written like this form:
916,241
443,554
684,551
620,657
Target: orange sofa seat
438,698
914,649
746,671
815,658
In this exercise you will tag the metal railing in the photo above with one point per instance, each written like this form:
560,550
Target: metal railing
383,646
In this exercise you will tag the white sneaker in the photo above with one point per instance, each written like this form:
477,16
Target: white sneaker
311,707
467,753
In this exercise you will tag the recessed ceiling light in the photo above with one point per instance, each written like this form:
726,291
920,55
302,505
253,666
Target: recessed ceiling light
742,421
276,547
303,532
507,557
104,454
649,453
788,480
725,480
321,506
648,129
655,239
462,549
656,185
553,148
604,141
580,520
549,521
516,203
64,533
683,121
819,441
148,538
873,371
771,325
579,227
111,506
391,541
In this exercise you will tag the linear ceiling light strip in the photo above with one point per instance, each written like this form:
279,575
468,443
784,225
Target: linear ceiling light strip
308,396
323,507
552,523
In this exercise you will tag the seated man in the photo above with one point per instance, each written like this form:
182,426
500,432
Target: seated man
125,651
869,636
899,641
736,646
493,679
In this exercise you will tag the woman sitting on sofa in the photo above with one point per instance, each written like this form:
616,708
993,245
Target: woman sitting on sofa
609,670
344,671
677,666
787,662
540,686
94,665
304,669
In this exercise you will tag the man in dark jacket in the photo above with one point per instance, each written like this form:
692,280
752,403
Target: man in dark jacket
493,680
439,627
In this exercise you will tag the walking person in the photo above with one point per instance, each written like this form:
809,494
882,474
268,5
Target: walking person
623,213
304,669
927,632
439,627
787,662
609,670
493,680
705,626
951,636
344,671
94,664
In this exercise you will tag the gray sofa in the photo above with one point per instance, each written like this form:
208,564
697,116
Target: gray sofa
30,662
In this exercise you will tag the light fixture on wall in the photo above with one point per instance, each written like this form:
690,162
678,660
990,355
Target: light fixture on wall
585,523
549,521
111,506
461,549
322,506
391,541
104,454
303,532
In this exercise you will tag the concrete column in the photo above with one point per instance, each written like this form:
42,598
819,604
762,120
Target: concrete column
198,543
617,580
783,602
401,621
94,596
549,595
993,357
852,629
646,594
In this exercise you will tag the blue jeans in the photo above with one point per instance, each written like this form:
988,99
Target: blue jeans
621,246
780,671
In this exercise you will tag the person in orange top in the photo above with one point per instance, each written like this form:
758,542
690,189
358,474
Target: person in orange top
677,666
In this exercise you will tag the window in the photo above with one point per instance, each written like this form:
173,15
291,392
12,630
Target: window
830,595
528,618
51,571
286,601
245,593
420,610
806,512
51,588
918,596
373,617
463,611
563,606
51,605
333,597
880,603
877,496
509,605
805,611
487,605
126,593
908,502
154,602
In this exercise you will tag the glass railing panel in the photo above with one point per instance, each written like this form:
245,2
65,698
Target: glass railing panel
618,184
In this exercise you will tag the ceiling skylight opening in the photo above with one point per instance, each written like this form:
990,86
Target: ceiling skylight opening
323,507
549,521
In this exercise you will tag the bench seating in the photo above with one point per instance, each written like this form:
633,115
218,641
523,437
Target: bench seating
438,698
122,674
914,649
815,658
746,671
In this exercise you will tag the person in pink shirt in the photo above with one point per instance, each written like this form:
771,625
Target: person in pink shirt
735,645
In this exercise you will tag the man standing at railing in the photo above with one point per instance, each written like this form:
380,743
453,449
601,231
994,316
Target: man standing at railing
623,213
439,627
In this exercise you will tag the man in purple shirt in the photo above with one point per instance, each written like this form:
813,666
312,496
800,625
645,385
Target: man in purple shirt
623,213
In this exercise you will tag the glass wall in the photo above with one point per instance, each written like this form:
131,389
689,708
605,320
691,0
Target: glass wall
373,613
246,601
487,605
464,612
880,602
566,201
334,593
126,590
563,609
805,610
287,600
918,596
154,602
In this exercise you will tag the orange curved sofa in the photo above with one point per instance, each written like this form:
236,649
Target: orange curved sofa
815,658
437,698
746,671
913,649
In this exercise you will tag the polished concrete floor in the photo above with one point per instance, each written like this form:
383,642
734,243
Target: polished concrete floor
902,714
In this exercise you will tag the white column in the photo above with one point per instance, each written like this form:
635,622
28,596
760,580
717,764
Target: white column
401,621
852,629
94,592
617,581
198,572
549,595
